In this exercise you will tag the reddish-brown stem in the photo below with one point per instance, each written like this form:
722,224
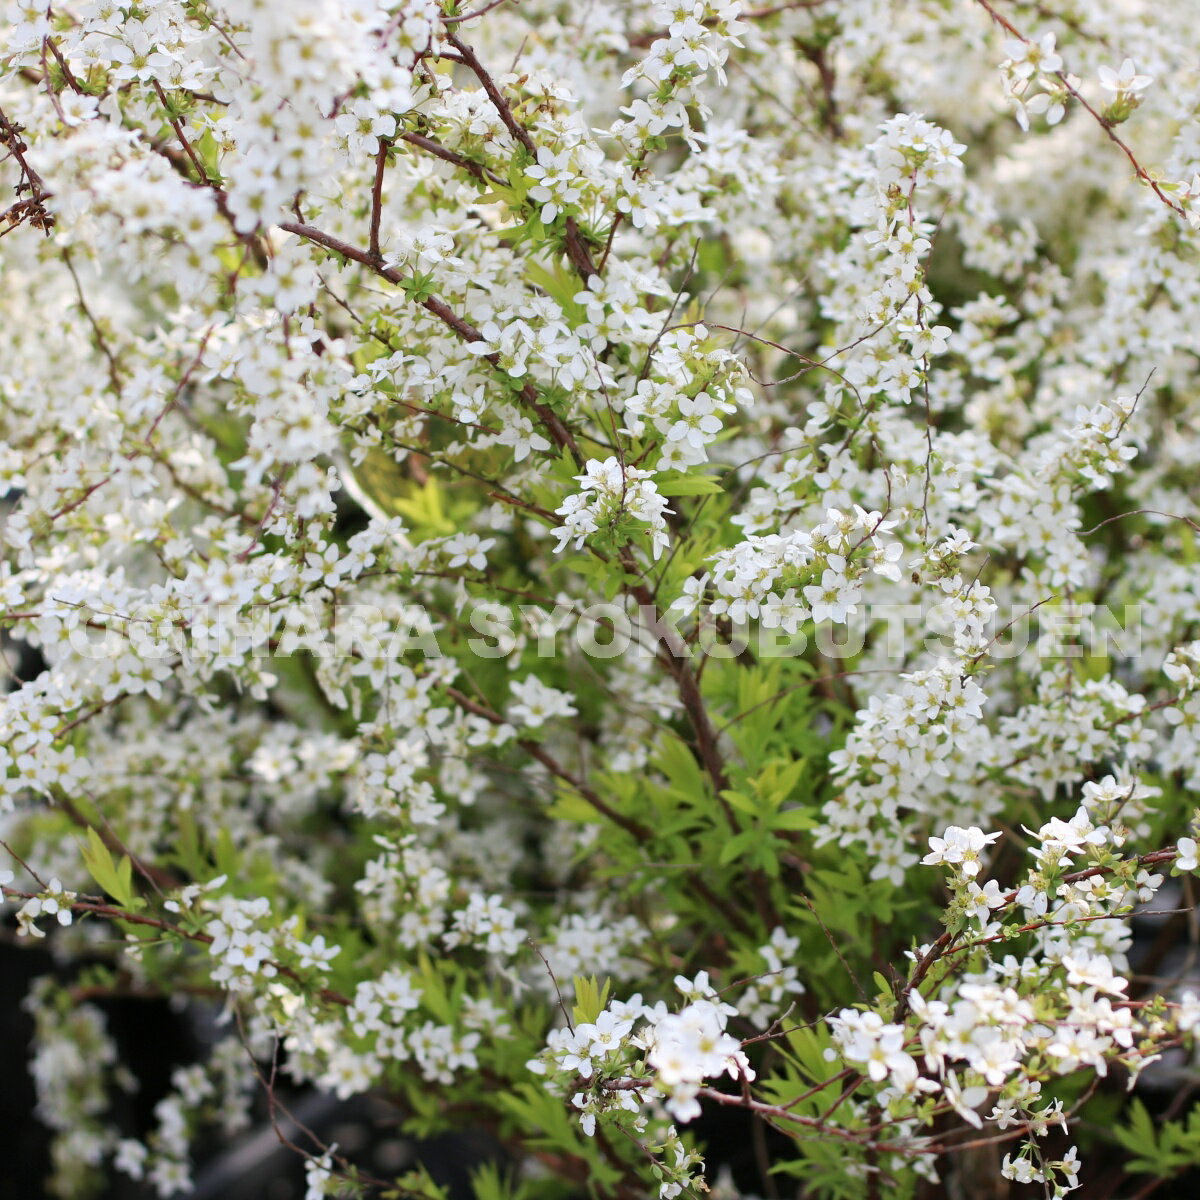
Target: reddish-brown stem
577,251
381,156
637,831
446,155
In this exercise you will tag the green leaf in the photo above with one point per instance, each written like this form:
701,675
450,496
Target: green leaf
736,846
1140,1136
488,1183
208,150
741,803
116,880
794,819
590,999
561,286
534,1110
433,992
690,485
571,806
679,765
226,856
188,853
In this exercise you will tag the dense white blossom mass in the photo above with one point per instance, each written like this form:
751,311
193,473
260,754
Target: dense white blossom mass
579,562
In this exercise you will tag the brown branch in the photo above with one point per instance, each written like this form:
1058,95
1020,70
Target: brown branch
114,369
276,492
577,251
470,16
502,107
184,379
640,833
451,156
689,693
377,198
48,43
34,209
829,114
778,1113
759,14
193,157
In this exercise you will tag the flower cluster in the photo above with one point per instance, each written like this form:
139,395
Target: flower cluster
612,499
634,1057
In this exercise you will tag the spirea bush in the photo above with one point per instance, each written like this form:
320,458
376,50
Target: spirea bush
577,564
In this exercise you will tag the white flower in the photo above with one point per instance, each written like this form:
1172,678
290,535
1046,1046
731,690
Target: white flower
961,848
833,599
318,1174
1185,859
1027,58
1124,82
130,1158
538,703
610,492
54,901
966,1100
1093,970
1020,1170
1187,1015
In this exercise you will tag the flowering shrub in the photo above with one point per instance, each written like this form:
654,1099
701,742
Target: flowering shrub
580,564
